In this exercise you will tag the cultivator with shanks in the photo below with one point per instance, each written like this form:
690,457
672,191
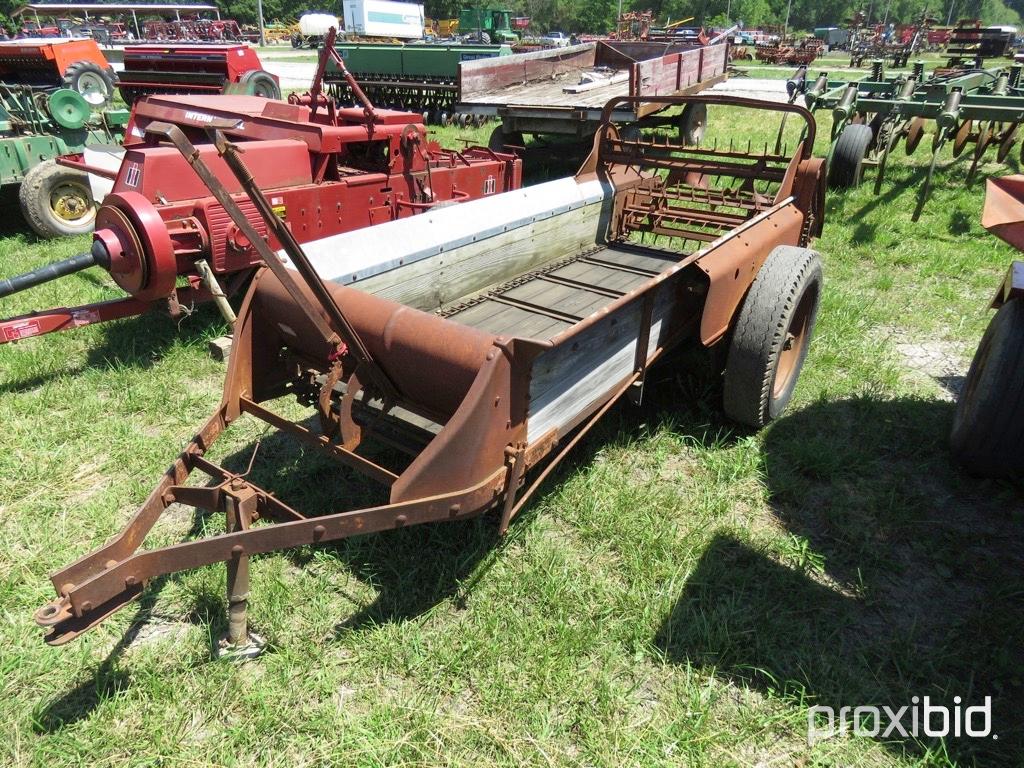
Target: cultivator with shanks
977,112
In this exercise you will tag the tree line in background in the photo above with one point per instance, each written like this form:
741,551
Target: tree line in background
598,16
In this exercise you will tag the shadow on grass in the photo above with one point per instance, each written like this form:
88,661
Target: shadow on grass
138,342
910,583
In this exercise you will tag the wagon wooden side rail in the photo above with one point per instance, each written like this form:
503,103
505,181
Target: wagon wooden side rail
481,342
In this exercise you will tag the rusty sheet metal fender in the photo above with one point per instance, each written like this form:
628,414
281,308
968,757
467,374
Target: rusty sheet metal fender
734,262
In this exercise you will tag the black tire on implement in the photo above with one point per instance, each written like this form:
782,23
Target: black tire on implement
771,336
129,95
988,425
92,81
57,201
499,140
847,164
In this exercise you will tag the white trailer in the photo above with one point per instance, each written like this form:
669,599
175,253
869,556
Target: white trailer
382,18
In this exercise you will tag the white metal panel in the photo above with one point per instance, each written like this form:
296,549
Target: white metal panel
352,256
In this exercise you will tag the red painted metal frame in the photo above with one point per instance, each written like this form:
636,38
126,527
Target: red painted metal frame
324,173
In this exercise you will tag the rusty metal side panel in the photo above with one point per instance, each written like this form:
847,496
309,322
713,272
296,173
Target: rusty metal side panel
732,266
472,445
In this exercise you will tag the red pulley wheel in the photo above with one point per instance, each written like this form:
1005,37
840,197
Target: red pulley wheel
142,255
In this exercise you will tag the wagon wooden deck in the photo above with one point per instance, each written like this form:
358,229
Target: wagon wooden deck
543,92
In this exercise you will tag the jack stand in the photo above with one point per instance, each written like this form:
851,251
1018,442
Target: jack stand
239,644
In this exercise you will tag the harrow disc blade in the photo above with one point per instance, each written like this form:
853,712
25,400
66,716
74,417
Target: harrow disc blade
985,135
1007,142
963,135
914,134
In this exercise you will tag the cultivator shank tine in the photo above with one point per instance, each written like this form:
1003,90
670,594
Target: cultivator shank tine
940,139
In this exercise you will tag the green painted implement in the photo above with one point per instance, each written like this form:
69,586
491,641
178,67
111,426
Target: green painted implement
974,108
35,128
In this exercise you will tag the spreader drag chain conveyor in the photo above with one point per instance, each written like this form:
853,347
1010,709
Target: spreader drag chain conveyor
979,107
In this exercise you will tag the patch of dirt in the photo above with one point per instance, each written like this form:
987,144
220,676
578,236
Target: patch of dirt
158,631
943,361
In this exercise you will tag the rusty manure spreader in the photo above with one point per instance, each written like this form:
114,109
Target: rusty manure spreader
479,343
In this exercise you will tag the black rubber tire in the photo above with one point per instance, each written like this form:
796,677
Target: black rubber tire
296,41
35,198
630,132
988,426
499,139
692,124
91,80
846,167
129,95
259,82
787,287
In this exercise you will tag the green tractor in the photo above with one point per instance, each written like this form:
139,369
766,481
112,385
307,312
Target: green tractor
37,126
487,25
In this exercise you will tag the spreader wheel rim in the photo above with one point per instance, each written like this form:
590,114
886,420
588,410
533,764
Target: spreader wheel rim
71,201
794,347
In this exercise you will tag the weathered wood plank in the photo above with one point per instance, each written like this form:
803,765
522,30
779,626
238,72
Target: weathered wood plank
453,275
569,379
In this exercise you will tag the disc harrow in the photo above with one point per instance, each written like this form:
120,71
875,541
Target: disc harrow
978,112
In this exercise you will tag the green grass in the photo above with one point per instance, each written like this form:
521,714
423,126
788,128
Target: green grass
679,593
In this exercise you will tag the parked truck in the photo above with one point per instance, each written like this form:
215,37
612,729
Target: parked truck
383,18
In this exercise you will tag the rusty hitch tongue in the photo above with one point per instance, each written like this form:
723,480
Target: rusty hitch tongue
18,283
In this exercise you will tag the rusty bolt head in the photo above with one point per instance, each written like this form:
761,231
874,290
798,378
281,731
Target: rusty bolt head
401,520
318,532
237,550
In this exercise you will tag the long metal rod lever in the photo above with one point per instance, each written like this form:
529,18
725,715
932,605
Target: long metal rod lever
176,136
374,375
329,52
46,273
